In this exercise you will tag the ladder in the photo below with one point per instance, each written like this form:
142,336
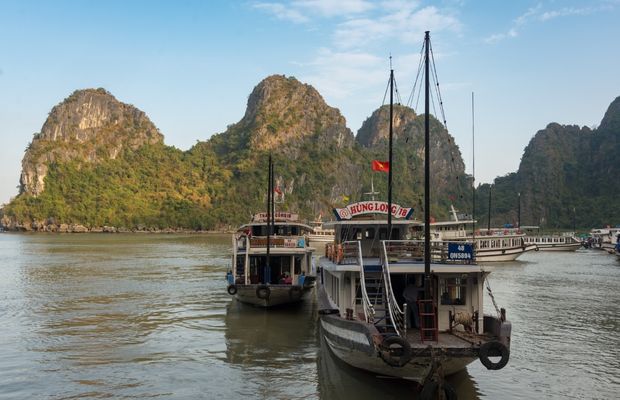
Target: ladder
429,331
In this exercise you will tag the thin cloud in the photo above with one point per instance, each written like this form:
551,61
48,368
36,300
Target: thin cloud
303,11
538,14
282,12
405,25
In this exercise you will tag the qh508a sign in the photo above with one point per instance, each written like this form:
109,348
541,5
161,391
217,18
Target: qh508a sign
371,207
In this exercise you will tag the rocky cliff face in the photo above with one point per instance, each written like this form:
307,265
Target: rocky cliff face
567,176
282,111
376,127
89,126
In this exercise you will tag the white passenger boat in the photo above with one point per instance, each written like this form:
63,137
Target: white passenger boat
320,234
554,242
406,308
491,245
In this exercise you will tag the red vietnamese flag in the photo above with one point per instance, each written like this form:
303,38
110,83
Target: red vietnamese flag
381,166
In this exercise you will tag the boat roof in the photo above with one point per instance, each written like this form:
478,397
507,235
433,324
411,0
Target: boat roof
371,222
279,223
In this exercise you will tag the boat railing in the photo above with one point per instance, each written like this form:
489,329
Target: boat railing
279,241
413,250
397,316
343,253
353,250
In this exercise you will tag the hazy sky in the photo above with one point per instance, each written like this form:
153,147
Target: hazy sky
190,65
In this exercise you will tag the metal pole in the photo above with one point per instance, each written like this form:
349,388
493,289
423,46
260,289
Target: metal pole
427,180
489,222
267,271
473,170
519,212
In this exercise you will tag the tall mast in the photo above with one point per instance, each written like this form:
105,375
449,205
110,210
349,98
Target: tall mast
389,216
473,169
267,271
273,200
427,184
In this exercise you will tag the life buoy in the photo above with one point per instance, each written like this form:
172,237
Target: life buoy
429,391
494,349
263,292
232,290
294,293
395,351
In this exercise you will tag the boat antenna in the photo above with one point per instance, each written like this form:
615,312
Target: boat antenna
473,169
489,221
267,271
372,192
427,203
519,211
389,210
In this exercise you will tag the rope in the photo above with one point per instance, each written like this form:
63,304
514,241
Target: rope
490,292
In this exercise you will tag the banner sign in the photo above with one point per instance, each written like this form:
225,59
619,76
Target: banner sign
460,251
371,207
278,216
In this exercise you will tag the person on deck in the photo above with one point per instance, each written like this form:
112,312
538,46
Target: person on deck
412,294
288,280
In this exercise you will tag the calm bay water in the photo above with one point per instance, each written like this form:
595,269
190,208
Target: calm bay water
141,316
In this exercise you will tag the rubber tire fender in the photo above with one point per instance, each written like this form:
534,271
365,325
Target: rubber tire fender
494,348
263,292
232,290
386,351
429,391
295,293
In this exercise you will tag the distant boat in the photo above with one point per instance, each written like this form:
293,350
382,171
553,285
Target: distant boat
605,238
320,234
411,309
492,245
271,260
567,242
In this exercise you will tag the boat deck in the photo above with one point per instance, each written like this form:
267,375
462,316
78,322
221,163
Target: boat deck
446,340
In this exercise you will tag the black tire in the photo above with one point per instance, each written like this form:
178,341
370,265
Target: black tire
295,293
232,290
430,390
397,356
263,292
494,349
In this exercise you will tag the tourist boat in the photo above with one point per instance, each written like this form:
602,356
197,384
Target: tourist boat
566,242
319,234
405,308
271,260
491,245
605,238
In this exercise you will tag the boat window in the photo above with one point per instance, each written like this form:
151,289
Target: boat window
370,233
453,291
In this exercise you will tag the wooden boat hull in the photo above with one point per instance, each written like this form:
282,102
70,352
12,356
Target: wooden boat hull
274,295
352,342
